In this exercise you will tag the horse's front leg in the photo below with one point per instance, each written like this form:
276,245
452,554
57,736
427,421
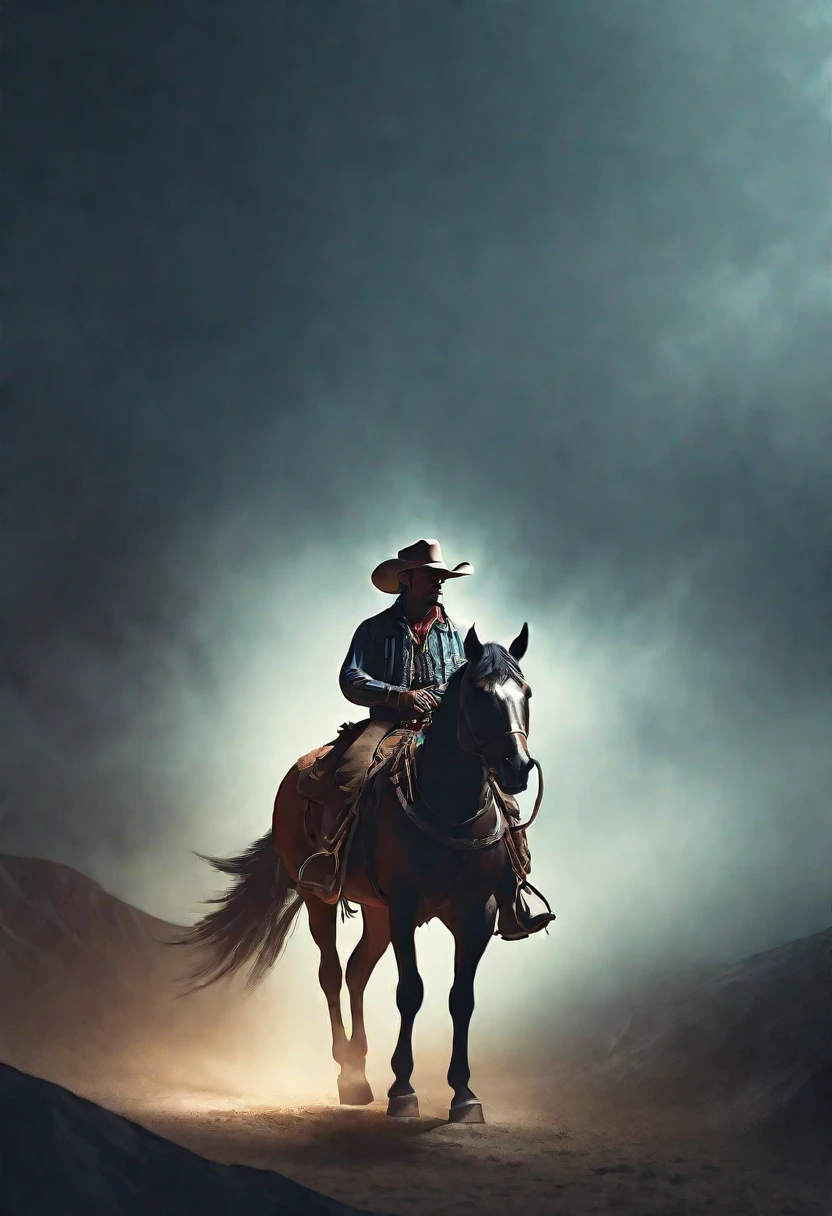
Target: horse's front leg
353,1087
472,930
403,1103
323,922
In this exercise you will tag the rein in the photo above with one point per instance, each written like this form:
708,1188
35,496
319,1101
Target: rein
538,802
490,776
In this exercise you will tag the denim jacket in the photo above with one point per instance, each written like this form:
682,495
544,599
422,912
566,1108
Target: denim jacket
383,660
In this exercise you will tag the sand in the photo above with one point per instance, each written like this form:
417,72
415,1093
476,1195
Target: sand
566,1161
86,1003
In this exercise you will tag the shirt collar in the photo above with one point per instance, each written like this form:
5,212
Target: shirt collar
398,612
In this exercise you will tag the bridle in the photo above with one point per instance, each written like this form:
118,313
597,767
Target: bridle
479,750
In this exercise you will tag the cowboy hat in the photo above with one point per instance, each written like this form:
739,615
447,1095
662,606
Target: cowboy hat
424,554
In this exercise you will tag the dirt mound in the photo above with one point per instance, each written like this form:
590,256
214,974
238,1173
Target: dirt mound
61,1153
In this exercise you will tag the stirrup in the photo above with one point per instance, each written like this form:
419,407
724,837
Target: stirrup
311,885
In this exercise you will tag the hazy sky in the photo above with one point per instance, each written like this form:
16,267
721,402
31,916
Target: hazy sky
289,285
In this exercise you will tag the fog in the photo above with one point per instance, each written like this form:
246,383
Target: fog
294,285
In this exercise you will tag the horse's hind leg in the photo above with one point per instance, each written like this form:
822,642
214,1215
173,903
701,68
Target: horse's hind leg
323,923
410,990
472,931
352,1083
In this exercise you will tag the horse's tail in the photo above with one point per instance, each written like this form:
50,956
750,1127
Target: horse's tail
252,922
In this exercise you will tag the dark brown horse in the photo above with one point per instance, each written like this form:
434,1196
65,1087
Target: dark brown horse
445,855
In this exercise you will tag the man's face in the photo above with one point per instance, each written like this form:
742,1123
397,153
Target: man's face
425,586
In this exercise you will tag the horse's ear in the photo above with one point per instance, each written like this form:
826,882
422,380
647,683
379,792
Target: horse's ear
520,644
473,646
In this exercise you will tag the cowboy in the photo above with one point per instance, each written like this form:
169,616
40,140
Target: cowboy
397,666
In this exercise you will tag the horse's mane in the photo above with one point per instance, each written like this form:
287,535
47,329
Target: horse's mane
494,666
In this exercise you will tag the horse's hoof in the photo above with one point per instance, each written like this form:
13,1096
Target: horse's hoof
468,1111
354,1091
404,1107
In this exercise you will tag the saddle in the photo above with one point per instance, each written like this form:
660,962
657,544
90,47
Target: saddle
332,811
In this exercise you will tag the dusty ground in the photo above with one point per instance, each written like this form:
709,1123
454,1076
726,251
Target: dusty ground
85,975
569,1162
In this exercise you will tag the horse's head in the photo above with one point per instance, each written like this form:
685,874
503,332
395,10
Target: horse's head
494,709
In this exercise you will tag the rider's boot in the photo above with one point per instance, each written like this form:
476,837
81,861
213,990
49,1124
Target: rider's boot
516,921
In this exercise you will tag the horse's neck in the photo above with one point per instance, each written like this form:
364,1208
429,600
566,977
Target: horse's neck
449,778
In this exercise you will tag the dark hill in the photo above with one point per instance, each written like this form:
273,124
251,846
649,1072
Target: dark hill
745,1042
61,1155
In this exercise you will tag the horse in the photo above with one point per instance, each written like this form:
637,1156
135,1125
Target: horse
446,855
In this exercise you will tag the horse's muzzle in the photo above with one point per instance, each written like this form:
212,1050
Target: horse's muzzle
513,775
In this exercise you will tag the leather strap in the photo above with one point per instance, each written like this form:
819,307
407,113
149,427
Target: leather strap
463,843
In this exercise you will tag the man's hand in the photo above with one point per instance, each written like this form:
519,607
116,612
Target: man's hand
418,702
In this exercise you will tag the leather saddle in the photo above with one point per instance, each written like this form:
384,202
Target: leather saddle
332,811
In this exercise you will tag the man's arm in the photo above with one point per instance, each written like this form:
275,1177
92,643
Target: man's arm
356,684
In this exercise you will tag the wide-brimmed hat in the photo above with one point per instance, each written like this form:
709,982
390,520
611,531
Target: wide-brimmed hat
425,553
